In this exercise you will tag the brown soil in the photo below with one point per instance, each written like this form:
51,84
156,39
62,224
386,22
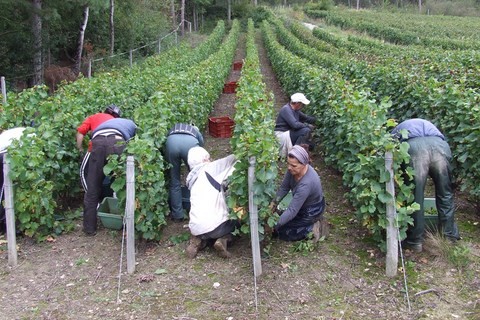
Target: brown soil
78,277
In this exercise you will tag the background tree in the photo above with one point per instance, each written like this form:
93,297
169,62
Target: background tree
112,27
15,41
37,43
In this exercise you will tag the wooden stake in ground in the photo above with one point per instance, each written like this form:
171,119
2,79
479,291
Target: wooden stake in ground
392,238
9,214
130,215
257,262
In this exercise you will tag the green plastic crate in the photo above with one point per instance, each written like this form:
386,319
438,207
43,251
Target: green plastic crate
109,214
431,216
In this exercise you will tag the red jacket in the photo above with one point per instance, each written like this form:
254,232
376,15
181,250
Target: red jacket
91,123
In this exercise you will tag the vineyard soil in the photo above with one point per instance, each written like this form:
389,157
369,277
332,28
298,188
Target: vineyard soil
77,277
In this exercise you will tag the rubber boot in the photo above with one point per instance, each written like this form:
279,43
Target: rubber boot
195,245
320,229
221,246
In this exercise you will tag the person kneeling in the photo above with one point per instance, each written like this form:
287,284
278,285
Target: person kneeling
208,208
304,214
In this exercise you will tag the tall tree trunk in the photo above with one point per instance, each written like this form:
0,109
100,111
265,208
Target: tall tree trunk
81,36
182,18
229,11
358,4
174,17
194,17
112,27
419,6
37,43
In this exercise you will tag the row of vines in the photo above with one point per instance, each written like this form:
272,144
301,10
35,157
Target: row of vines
178,85
253,137
353,133
442,32
420,90
357,84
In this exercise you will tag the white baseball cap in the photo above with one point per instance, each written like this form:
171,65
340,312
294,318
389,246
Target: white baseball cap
299,97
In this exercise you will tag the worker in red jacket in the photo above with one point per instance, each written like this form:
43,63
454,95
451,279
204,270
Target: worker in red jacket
88,126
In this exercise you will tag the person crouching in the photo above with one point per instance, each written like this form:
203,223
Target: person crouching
209,220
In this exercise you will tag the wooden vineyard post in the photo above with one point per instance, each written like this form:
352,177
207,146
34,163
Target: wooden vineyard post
9,214
257,262
130,215
89,73
392,233
4,90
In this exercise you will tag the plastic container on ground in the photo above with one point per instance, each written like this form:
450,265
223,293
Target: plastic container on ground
237,65
230,87
221,127
430,213
110,214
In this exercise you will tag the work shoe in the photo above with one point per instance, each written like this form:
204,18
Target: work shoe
89,233
415,247
195,245
316,231
320,229
221,246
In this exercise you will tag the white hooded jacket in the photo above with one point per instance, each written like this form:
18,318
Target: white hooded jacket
208,207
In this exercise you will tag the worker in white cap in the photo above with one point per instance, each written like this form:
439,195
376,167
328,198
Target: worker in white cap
292,126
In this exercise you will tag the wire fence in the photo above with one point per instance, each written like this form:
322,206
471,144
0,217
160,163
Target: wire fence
91,65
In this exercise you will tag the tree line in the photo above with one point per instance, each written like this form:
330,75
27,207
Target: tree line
37,34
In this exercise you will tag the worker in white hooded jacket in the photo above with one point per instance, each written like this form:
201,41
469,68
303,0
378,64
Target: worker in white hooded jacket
208,208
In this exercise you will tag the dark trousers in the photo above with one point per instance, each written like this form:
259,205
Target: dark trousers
300,226
431,156
84,170
300,136
102,147
222,230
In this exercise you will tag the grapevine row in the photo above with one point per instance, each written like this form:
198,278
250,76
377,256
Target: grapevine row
353,133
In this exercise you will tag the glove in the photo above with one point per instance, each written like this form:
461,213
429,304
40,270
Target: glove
268,230
273,206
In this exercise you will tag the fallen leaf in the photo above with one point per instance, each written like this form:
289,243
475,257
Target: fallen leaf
160,271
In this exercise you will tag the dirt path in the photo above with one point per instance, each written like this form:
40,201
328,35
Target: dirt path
76,277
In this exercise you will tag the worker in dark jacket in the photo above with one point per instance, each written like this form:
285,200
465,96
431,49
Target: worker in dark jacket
430,155
292,120
180,139
108,138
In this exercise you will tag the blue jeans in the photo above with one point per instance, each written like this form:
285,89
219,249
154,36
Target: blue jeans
176,152
431,156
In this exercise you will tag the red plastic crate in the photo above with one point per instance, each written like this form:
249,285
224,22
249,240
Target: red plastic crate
220,127
230,87
237,65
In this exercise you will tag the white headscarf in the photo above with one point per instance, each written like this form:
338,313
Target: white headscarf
197,158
